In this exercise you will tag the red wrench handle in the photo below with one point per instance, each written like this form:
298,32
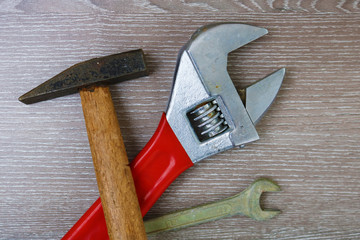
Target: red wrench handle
161,161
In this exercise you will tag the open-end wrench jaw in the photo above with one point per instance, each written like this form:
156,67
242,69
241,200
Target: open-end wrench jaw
205,110
251,196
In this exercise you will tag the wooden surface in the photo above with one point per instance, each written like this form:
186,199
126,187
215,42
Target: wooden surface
116,185
309,138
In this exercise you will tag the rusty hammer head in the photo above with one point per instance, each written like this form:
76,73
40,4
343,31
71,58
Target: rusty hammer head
97,71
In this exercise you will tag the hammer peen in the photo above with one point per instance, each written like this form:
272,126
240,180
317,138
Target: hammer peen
116,186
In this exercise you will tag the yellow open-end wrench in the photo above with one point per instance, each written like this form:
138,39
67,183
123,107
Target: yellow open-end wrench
246,203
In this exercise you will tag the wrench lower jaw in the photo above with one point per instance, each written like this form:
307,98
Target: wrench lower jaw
265,215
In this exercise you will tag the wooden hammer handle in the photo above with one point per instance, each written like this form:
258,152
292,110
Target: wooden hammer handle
116,186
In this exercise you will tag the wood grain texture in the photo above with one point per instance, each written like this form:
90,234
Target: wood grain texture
116,185
309,139
173,6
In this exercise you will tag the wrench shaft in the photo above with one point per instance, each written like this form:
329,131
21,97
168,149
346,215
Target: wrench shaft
246,203
192,216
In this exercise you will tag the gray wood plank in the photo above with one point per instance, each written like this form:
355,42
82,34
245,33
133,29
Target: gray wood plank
191,6
309,138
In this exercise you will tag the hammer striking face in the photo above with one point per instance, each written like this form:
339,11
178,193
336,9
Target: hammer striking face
205,116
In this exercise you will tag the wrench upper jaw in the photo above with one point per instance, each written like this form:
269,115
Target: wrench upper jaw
253,194
222,38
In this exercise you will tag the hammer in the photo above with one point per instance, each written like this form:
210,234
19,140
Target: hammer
116,186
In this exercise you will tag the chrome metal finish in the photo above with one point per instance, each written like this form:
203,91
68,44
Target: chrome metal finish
183,99
207,120
260,95
201,80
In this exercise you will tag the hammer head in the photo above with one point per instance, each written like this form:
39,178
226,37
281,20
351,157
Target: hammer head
98,71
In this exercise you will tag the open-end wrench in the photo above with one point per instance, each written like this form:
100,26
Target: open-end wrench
205,115
246,203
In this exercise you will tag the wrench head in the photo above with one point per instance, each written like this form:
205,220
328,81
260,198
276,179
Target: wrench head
252,198
205,110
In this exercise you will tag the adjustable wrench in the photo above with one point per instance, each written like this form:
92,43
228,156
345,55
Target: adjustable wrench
246,203
205,115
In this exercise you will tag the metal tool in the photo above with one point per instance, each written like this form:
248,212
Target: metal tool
206,115
246,203
113,174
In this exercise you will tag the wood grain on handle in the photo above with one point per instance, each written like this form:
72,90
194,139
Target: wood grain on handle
113,174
